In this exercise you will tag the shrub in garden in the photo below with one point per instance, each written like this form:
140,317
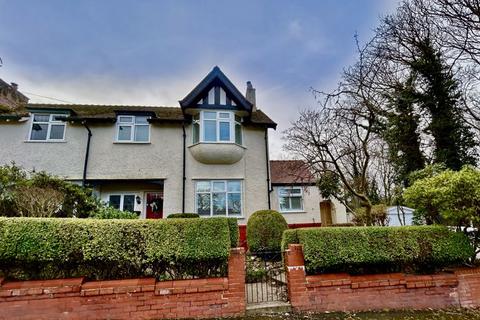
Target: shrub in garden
183,215
42,195
379,249
264,231
108,212
45,248
378,215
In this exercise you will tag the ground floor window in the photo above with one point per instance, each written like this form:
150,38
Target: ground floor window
218,197
124,202
290,198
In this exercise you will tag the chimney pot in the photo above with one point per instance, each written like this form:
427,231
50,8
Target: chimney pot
14,86
251,96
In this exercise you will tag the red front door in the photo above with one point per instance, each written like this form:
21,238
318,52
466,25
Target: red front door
154,205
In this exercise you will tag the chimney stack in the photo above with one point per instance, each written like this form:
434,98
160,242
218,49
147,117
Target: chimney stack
14,86
250,95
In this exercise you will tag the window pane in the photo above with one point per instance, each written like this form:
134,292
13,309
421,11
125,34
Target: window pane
284,204
196,132
224,115
210,130
224,131
238,133
234,204
125,119
234,186
203,204
296,203
203,186
39,132
58,117
56,131
141,133
141,119
219,204
283,192
124,133
218,186
209,115
114,201
295,191
128,202
41,117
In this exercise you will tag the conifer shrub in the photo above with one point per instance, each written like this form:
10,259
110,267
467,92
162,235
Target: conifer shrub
264,231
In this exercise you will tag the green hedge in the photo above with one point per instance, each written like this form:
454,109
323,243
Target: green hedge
41,248
183,215
264,231
379,249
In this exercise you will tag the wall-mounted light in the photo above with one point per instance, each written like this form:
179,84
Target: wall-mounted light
138,199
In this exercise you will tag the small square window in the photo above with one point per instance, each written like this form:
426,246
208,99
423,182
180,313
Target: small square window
47,127
133,129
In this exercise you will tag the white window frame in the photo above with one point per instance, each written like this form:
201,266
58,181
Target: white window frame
231,120
226,197
122,199
290,196
49,124
132,125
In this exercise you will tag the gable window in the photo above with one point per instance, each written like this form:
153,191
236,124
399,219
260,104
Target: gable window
218,198
290,199
124,202
217,126
47,127
133,129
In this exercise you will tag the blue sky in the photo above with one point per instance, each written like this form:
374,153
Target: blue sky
154,52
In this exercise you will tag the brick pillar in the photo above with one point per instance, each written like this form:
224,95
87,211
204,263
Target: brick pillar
468,287
236,276
296,278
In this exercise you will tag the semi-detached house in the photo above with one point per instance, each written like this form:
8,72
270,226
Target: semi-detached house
208,156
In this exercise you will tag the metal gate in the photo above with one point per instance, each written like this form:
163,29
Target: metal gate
265,278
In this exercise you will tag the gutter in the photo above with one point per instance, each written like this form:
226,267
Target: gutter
268,169
184,178
87,153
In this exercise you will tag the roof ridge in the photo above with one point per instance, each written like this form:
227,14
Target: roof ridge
99,105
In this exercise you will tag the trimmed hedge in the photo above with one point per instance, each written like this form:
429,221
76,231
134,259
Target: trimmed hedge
45,248
379,249
183,215
264,231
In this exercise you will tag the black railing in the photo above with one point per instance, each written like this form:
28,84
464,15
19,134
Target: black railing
265,277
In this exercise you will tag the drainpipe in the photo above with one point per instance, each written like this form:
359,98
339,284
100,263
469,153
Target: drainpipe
184,178
268,168
87,152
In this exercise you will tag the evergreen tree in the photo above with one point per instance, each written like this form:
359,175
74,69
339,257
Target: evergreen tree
453,141
402,133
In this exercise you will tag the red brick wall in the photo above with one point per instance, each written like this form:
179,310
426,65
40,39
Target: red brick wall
127,299
342,292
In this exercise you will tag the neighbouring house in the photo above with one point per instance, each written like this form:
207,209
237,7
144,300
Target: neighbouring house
209,155
294,194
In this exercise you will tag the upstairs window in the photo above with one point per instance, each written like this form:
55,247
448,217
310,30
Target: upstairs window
133,129
217,126
290,198
47,127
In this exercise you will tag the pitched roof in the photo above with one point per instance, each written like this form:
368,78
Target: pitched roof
284,172
108,113
216,75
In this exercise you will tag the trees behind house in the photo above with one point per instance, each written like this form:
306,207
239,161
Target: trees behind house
408,101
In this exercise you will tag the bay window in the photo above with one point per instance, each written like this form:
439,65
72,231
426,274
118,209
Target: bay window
217,126
290,198
47,127
218,198
133,129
